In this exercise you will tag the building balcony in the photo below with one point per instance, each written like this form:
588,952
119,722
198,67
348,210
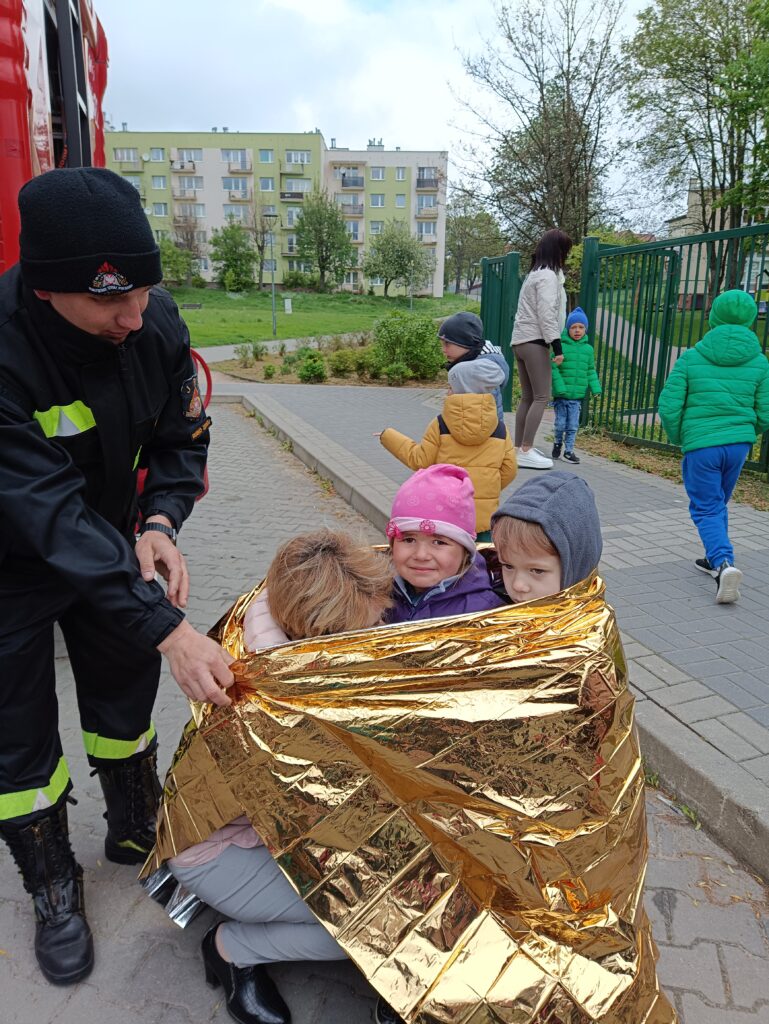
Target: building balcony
427,212
130,165
427,183
295,170
428,239
352,181
289,250
182,165
357,239
240,195
352,209
293,196
240,167
184,193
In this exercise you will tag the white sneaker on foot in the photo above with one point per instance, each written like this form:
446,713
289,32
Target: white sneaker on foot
728,580
533,459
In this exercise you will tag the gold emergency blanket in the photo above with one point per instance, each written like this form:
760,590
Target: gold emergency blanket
459,801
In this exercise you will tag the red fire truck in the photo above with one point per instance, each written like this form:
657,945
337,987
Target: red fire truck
53,73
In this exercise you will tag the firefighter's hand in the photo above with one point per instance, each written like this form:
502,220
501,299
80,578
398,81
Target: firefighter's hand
198,664
157,553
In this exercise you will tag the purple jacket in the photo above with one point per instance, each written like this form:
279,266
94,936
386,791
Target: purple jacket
464,594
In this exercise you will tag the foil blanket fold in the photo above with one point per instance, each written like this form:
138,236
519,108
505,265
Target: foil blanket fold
459,801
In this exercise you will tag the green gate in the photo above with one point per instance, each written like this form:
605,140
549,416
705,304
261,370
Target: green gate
649,302
500,288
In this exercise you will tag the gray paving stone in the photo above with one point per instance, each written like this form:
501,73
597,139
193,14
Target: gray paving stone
734,925
730,688
748,977
707,707
696,968
663,669
758,766
725,740
748,729
681,693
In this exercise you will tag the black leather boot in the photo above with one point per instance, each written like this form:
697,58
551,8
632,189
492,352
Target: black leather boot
54,879
132,794
250,993
384,1013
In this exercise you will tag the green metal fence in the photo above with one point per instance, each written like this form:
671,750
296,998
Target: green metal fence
649,302
500,288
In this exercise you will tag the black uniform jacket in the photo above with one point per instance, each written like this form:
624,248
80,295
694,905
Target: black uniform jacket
78,416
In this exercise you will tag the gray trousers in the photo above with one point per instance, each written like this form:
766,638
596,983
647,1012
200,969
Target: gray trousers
535,375
269,922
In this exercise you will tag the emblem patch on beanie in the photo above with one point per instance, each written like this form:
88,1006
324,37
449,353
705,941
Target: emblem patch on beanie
109,280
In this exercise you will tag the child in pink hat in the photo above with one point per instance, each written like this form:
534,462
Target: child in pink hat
438,570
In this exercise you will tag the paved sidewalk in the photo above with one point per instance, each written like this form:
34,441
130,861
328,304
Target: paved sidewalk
709,914
699,669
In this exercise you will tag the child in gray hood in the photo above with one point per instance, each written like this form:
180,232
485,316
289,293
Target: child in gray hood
547,535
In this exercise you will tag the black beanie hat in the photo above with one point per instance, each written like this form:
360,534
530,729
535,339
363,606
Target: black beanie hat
465,329
83,229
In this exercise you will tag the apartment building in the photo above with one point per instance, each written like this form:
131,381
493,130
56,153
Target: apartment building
194,182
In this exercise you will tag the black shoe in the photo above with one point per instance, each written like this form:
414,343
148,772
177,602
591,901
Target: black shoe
556,452
54,879
384,1013
704,566
132,794
250,993
572,458
728,584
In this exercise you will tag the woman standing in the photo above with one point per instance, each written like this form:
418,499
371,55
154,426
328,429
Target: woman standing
537,329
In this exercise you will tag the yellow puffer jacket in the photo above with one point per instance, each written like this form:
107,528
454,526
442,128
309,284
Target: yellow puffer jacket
467,434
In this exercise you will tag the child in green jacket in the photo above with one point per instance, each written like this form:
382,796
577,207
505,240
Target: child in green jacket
715,405
571,382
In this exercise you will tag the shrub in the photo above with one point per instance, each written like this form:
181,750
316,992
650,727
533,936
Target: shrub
269,371
282,348
343,362
312,369
258,350
198,281
286,368
243,355
303,351
409,340
296,280
397,373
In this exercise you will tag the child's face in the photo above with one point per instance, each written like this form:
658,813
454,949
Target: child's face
577,332
529,574
424,559
452,351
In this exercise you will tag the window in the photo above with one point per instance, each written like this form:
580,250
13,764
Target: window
400,173
377,173
190,181
157,153
290,243
266,156
189,154
269,209
201,263
160,209
269,237
377,199
162,234
235,184
135,180
297,156
270,265
293,213
426,202
191,209
431,173
347,199
426,228
159,181
376,280
352,229
298,184
234,211
126,154
400,200
235,156
200,236
340,172
351,277
377,227
300,265
266,184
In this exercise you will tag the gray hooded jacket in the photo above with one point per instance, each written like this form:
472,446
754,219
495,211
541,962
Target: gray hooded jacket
564,506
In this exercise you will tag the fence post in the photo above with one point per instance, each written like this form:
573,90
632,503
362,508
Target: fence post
588,298
511,289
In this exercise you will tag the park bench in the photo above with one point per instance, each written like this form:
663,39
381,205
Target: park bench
192,305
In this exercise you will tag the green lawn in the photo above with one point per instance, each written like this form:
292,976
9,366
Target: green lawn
228,319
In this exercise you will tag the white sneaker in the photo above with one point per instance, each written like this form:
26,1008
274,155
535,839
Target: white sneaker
533,459
728,582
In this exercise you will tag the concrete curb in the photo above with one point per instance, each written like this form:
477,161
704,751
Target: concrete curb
732,805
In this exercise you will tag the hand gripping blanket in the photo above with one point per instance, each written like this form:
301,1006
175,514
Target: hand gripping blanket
459,801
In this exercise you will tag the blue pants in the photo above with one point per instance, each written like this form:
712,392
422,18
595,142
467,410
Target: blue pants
710,475
567,413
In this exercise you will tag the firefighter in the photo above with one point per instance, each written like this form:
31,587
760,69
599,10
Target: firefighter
96,380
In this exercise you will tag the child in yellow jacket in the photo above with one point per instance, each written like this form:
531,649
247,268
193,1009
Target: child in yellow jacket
468,433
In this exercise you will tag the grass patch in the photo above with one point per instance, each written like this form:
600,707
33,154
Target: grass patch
233,368
227,319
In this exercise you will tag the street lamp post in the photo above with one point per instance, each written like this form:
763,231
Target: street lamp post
272,219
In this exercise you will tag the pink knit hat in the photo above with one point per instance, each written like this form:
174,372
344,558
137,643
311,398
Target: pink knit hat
439,499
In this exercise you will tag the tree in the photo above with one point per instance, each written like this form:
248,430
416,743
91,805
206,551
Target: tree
555,80
233,257
176,262
186,234
471,234
322,238
398,257
260,224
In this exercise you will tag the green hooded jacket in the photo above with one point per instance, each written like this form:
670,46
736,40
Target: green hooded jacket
718,392
576,374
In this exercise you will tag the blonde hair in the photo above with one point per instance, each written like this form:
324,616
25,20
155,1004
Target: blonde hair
324,582
506,531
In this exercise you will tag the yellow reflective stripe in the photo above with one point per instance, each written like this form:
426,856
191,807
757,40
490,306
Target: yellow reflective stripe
65,420
116,750
14,805
136,460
